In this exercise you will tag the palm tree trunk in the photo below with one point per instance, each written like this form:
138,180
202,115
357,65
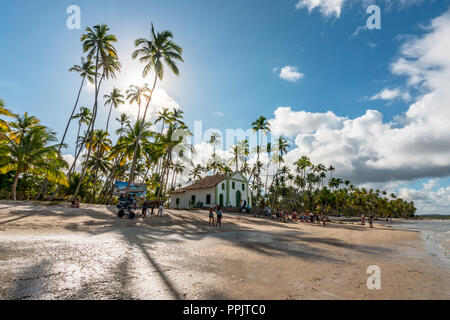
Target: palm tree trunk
78,138
109,116
139,111
133,165
71,116
267,176
173,178
14,187
161,183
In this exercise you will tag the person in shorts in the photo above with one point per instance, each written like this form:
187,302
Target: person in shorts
211,216
219,217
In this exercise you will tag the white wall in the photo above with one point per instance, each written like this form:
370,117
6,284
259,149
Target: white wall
238,187
185,198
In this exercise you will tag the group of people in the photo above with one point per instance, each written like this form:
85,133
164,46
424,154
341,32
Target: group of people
145,204
219,214
370,220
244,207
306,217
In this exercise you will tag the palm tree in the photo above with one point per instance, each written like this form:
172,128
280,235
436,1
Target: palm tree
98,43
236,154
269,153
214,141
100,144
26,150
84,117
4,112
177,168
196,172
244,148
126,146
123,120
154,53
281,147
331,170
113,100
86,69
136,93
261,125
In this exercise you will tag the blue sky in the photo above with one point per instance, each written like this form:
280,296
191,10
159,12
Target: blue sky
231,49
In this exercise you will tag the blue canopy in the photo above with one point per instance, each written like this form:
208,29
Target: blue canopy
136,189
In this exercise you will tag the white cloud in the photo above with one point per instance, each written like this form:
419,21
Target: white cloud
219,114
391,94
290,123
333,8
289,73
431,199
372,44
358,30
70,159
326,7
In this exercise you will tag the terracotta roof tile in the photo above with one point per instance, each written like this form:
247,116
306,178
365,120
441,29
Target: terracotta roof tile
205,183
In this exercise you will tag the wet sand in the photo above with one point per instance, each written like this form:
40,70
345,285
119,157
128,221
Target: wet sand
54,252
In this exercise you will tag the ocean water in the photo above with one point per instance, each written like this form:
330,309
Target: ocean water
436,235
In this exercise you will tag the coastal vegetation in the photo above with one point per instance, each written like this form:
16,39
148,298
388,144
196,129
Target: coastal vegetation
32,165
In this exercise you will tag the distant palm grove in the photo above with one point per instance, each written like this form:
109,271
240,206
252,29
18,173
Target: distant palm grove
32,166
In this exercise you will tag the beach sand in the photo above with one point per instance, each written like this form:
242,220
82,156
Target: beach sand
54,252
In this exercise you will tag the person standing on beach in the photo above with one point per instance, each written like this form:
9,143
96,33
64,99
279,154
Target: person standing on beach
211,216
145,206
152,207
161,209
371,222
219,216
363,220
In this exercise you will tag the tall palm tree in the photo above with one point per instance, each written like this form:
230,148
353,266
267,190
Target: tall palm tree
331,170
281,147
98,43
154,53
123,120
269,153
164,116
126,146
214,141
236,152
178,170
196,172
261,125
27,150
135,94
114,99
87,71
244,149
99,144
